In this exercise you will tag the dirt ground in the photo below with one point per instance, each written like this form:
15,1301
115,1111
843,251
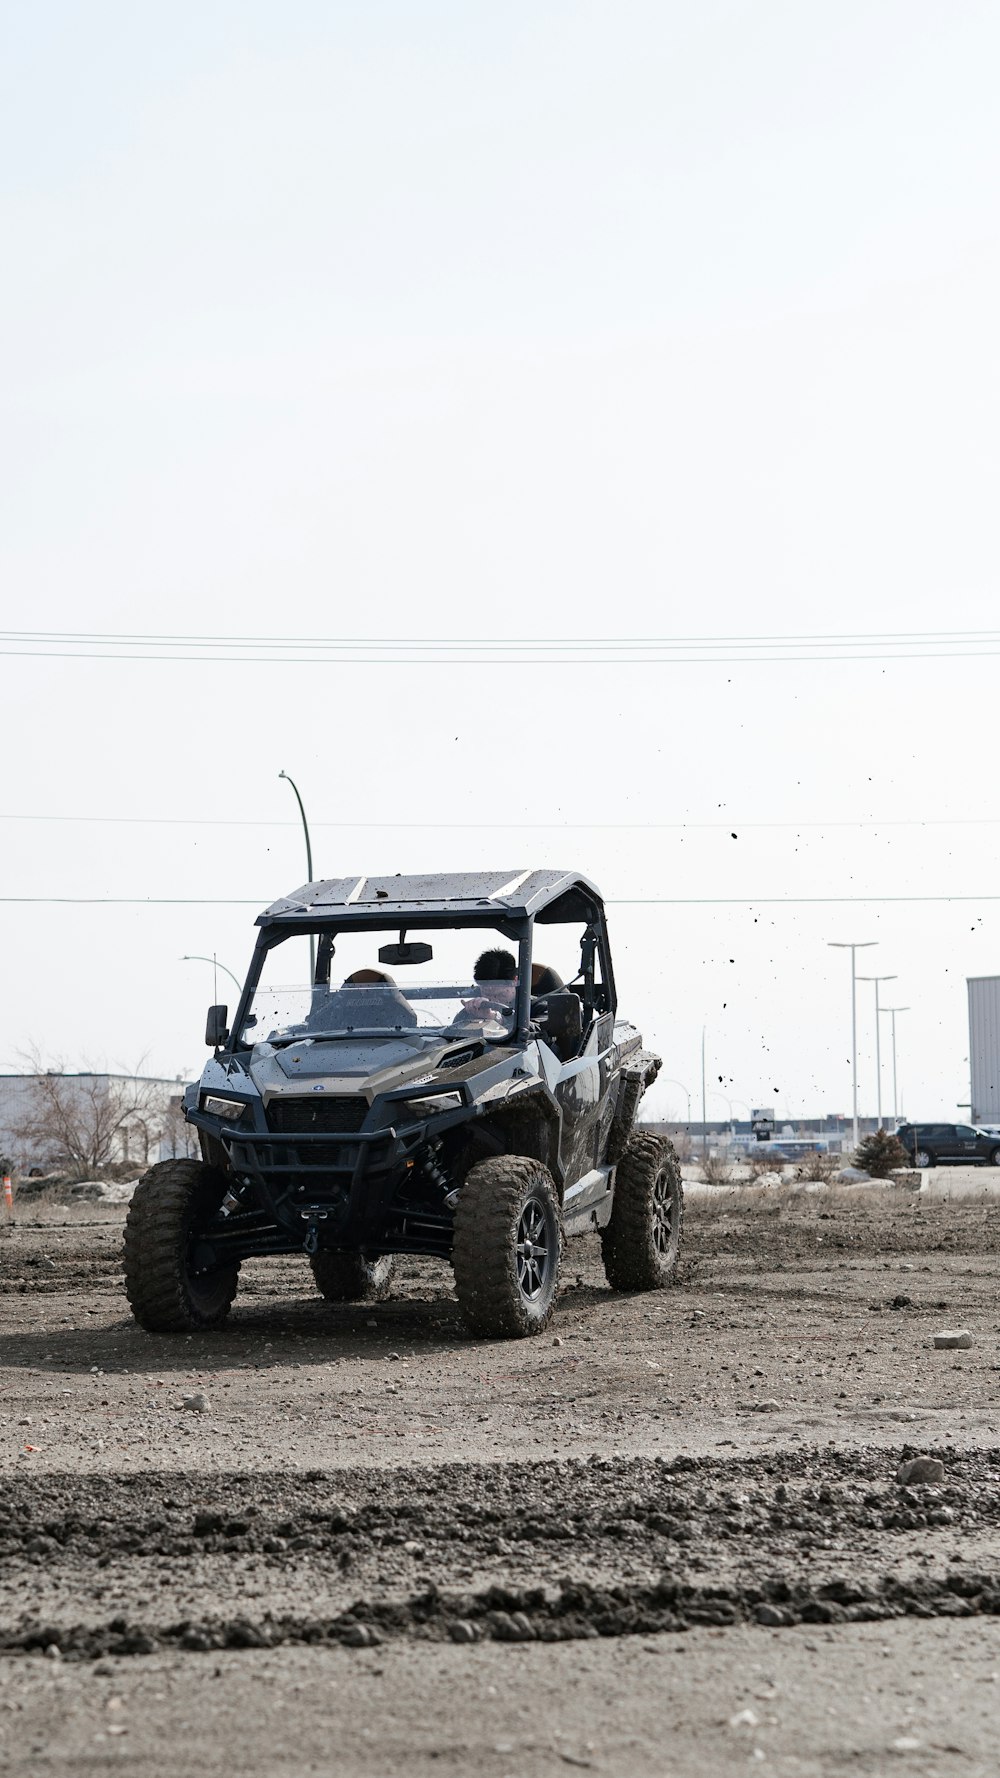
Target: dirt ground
665,1537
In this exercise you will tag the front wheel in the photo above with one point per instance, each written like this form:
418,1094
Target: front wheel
507,1247
172,1280
641,1240
352,1278
923,1158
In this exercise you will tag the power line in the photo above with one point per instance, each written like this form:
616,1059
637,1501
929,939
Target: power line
454,644
652,901
526,651
650,659
726,826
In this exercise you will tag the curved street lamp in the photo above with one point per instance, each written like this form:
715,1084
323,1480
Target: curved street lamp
667,1081
214,961
713,1093
309,866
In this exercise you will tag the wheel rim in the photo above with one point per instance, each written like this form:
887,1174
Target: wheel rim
922,1158
664,1212
536,1250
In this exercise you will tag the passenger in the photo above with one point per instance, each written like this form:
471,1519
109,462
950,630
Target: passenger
545,980
368,998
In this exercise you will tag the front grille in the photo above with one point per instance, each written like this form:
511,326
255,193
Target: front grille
327,1113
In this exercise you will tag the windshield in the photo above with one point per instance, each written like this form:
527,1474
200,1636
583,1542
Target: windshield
357,994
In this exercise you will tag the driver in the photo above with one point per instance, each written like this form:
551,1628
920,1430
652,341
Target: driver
496,973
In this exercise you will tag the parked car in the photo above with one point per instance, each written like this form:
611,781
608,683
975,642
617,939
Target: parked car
931,1145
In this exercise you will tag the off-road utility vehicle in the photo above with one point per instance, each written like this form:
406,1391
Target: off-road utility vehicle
355,1114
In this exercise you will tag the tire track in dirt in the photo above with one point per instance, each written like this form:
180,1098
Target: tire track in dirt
571,1549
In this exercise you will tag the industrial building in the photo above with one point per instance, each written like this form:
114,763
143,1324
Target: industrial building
984,1047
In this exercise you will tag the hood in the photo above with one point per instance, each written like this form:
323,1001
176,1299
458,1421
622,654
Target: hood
368,1065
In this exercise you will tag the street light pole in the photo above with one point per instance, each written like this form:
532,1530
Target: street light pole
861,945
309,867
878,1038
704,1110
895,1101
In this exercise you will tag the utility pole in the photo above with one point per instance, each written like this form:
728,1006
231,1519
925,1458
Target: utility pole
861,945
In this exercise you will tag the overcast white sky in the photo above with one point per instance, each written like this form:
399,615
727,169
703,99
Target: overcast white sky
544,321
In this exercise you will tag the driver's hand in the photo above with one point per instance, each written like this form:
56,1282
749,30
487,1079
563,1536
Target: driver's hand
478,1009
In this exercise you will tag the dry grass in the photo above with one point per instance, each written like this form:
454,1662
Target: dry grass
773,1200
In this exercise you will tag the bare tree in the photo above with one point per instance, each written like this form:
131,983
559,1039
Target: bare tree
176,1135
85,1122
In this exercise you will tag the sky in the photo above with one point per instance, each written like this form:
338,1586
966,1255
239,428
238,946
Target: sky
478,326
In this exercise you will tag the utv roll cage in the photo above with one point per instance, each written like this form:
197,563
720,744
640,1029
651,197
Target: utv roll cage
511,904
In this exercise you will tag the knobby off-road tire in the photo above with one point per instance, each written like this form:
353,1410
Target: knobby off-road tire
507,1247
351,1278
641,1240
165,1288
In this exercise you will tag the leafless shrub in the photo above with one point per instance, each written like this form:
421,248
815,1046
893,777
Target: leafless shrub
85,1123
716,1169
761,1161
817,1166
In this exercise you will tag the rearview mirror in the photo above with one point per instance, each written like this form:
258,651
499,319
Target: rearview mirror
397,954
216,1027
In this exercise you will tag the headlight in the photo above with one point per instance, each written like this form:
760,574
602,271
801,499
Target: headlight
439,1102
230,1109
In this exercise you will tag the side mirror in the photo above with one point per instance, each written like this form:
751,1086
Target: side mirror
560,1015
396,954
216,1027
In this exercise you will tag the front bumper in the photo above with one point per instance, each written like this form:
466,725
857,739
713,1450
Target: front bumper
363,1189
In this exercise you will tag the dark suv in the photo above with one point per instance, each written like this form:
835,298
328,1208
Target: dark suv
949,1144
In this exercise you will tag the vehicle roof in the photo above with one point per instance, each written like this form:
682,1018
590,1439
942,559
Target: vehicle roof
510,892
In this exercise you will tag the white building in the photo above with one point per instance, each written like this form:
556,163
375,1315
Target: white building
984,1047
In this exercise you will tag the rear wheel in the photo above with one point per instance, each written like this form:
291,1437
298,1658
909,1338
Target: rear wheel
995,1157
642,1238
172,1280
507,1247
351,1278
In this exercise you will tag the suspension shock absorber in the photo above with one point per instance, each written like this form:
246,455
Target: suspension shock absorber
429,1170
